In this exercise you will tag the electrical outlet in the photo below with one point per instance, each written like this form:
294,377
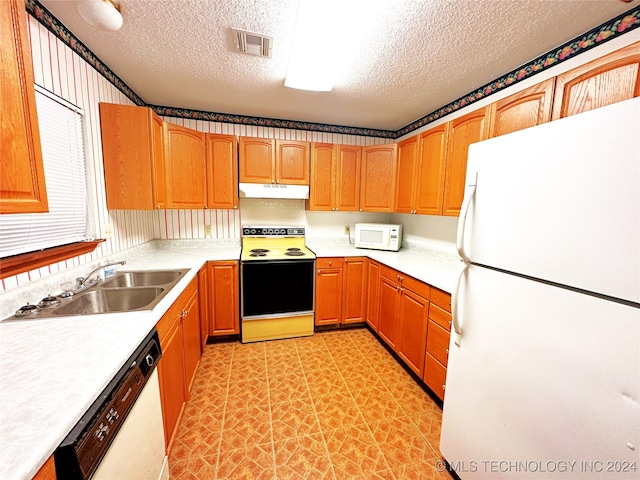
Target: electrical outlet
107,230
207,230
347,230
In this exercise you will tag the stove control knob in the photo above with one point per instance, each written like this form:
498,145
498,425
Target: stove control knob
253,231
270,231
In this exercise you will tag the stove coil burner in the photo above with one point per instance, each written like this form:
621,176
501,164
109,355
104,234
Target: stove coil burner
294,252
258,252
26,310
49,302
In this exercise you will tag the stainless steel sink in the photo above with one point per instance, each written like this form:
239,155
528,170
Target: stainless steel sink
112,300
128,291
144,278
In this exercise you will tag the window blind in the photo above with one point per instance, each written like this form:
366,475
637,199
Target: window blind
61,137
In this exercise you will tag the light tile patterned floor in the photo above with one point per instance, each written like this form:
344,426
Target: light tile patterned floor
335,405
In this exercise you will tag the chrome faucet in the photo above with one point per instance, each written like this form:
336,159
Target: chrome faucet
83,283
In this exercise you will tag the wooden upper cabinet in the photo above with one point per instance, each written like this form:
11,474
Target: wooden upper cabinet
292,162
334,177
257,160
609,79
378,173
464,131
348,159
222,171
133,156
322,177
22,181
406,175
432,162
524,109
185,159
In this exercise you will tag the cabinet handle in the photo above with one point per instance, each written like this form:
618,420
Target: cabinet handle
446,350
444,386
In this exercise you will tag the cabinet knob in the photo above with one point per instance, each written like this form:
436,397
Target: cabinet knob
446,350
444,386
337,209
235,207
330,263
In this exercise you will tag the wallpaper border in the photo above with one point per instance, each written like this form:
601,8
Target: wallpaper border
613,28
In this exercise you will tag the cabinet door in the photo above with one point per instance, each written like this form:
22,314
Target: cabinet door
203,297
388,316
22,182
377,185
373,293
292,162
406,174
355,295
609,79
464,131
413,318
438,343
172,382
128,153
435,375
224,300
328,309
191,339
185,158
524,109
222,171
257,160
430,184
323,173
159,182
347,197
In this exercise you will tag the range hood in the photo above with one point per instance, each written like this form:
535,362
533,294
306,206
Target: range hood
273,190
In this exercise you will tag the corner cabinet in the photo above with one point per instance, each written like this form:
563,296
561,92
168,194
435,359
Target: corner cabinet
222,171
22,181
185,160
378,173
133,157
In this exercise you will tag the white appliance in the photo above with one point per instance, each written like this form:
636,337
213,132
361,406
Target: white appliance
378,236
543,377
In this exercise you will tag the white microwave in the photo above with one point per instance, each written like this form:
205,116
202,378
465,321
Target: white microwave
378,236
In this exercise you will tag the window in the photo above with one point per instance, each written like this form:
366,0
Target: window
60,125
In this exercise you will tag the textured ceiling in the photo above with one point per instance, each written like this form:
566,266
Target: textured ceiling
418,55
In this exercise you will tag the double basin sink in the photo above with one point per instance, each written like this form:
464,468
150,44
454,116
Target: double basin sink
127,291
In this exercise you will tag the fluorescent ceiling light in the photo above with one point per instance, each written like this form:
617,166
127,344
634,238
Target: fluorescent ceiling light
102,14
327,32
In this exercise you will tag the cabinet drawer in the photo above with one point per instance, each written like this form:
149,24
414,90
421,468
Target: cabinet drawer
442,299
406,281
435,375
329,262
438,342
439,316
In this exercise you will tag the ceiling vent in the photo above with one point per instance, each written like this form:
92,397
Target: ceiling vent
256,44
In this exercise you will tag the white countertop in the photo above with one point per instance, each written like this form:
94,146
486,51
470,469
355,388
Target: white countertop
436,268
51,370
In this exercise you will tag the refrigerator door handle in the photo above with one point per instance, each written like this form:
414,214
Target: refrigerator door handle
462,219
455,319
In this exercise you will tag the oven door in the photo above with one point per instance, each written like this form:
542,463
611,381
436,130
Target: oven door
277,288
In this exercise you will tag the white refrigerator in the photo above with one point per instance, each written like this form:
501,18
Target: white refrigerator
543,378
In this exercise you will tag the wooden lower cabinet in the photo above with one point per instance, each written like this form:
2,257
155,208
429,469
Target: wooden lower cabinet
179,332
329,291
224,299
412,322
354,293
438,336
